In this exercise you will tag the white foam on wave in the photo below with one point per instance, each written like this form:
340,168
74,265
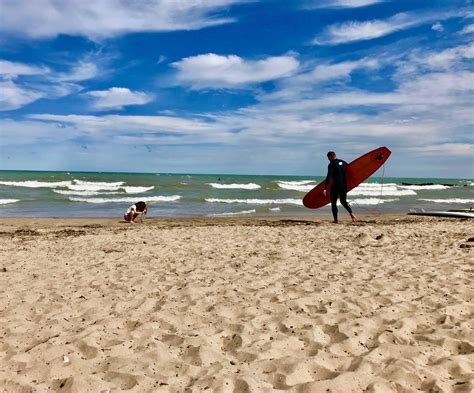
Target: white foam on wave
248,186
294,182
7,201
288,201
98,183
274,209
302,186
376,185
118,190
449,200
371,201
428,187
386,190
81,185
36,184
160,198
136,190
235,213
84,193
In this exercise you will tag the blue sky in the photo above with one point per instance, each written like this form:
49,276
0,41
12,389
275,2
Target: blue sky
236,86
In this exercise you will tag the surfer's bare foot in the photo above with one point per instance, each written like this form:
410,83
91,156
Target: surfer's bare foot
354,218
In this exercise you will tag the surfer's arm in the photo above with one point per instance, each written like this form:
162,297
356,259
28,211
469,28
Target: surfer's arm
328,177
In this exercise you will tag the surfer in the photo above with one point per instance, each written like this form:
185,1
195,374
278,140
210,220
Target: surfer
134,211
337,172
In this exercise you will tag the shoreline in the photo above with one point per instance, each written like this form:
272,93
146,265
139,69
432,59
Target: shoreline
216,220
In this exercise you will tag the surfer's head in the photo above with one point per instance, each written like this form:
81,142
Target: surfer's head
331,155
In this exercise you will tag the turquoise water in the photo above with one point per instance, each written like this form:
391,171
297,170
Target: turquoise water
79,194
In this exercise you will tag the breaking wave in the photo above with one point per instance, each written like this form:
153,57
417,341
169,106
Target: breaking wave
80,185
172,198
234,213
427,187
7,201
371,201
450,200
303,185
387,190
35,184
248,186
136,190
127,190
288,201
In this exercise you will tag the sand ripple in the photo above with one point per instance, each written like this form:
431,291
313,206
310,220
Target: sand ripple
384,306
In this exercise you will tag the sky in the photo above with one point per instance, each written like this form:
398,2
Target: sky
236,86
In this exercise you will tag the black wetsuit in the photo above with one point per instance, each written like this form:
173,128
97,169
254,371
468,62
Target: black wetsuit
337,172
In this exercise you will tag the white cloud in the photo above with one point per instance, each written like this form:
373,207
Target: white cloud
450,58
447,57
361,31
108,18
445,149
30,132
326,72
113,123
33,82
161,59
316,78
13,96
81,71
467,29
11,70
215,71
117,98
425,114
437,27
340,3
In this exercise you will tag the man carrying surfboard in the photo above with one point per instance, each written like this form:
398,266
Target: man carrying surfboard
337,172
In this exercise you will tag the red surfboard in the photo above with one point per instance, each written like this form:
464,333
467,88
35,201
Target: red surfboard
357,171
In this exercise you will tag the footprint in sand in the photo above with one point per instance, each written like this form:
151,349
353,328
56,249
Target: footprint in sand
87,351
231,343
124,381
13,387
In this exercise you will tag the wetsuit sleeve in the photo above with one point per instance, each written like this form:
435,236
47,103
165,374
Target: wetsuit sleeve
329,175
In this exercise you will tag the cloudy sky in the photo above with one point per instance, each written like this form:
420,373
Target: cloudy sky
236,86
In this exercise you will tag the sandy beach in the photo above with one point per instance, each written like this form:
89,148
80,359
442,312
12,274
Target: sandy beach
236,305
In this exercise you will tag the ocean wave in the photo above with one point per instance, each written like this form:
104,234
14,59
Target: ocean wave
80,185
449,200
371,201
100,191
302,186
288,201
428,187
36,184
234,213
383,191
7,201
136,190
98,183
171,198
84,193
376,185
294,182
248,186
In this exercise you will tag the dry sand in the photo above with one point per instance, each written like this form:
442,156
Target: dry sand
236,305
